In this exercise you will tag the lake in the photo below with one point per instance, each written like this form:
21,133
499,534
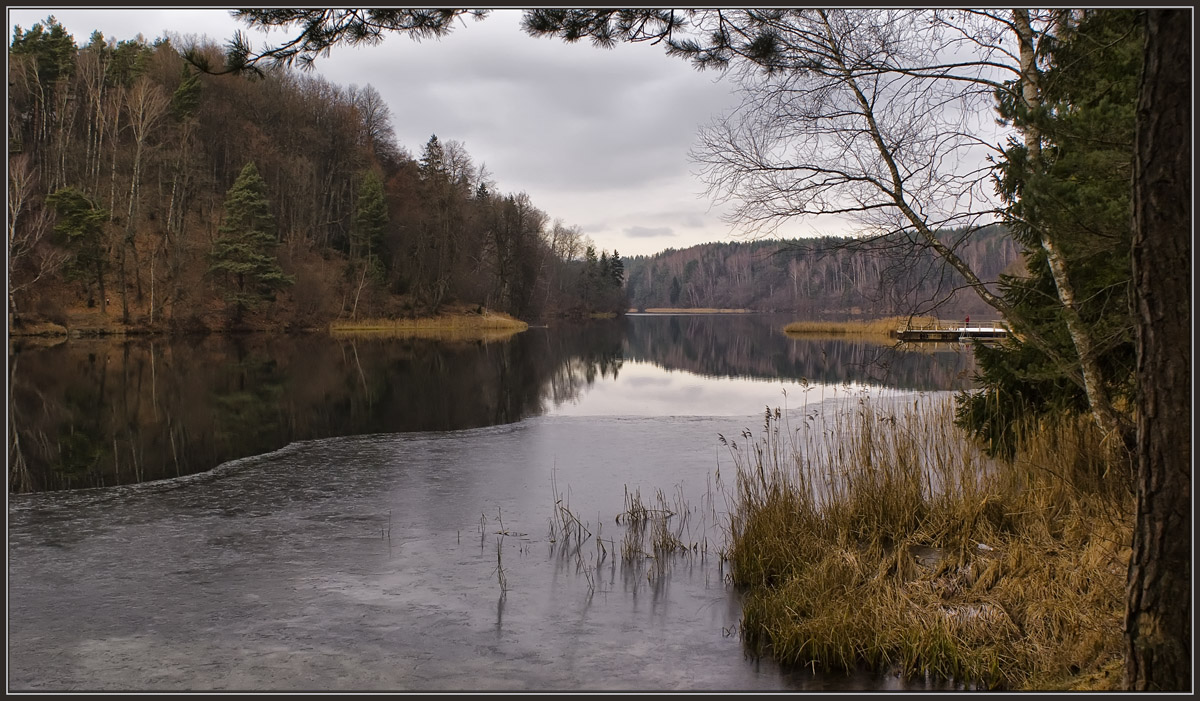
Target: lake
270,513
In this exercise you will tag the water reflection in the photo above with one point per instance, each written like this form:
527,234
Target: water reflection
754,346
94,412
415,557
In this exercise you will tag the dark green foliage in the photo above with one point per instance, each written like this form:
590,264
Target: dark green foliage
52,49
128,61
708,38
187,96
80,228
243,257
616,268
1079,197
370,219
323,28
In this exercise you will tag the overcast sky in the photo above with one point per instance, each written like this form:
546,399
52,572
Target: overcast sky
597,138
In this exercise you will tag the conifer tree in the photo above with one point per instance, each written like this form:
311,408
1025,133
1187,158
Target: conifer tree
370,219
243,256
81,227
616,268
1078,194
433,159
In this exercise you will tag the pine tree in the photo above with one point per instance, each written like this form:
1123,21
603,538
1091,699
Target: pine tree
370,219
243,256
51,47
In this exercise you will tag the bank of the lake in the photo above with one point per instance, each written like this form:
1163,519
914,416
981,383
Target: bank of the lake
454,321
886,537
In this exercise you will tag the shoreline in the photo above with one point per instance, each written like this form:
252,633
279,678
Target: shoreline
454,321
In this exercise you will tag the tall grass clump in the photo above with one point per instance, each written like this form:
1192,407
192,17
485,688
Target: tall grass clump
881,535
871,327
487,325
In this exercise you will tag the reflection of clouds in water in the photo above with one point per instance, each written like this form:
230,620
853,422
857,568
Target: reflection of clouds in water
648,381
646,389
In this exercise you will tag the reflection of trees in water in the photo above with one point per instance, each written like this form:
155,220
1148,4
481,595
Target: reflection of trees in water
90,413
755,346
589,351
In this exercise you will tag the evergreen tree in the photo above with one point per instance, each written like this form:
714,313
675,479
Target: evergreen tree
50,46
243,256
186,97
370,220
617,268
81,228
433,159
1080,195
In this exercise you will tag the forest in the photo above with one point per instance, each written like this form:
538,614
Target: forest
828,277
147,195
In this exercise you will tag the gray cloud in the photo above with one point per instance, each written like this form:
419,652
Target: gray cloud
641,232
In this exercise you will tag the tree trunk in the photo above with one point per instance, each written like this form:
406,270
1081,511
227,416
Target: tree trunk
1116,427
1158,612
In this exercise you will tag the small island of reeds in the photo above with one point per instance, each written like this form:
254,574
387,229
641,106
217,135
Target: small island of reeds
867,327
693,310
451,325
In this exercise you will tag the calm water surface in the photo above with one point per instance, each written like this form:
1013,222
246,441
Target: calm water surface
267,514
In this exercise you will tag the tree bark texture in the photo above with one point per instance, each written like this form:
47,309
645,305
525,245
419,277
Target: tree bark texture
1158,613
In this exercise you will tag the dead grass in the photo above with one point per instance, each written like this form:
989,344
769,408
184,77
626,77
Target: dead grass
874,327
694,310
883,536
452,326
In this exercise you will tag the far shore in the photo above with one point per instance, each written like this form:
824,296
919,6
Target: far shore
453,323
689,310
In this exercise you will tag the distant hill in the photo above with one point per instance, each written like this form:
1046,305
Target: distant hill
821,278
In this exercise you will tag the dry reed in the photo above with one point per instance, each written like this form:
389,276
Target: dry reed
694,310
881,535
486,326
874,327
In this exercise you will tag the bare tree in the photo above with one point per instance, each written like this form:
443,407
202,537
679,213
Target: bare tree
376,123
880,118
30,256
146,104
91,68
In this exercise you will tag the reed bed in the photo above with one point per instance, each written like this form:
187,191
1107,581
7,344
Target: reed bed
873,327
694,310
882,536
486,326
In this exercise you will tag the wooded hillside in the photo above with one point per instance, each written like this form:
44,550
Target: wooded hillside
145,194
820,278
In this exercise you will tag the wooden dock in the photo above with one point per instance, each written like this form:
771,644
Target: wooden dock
954,331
